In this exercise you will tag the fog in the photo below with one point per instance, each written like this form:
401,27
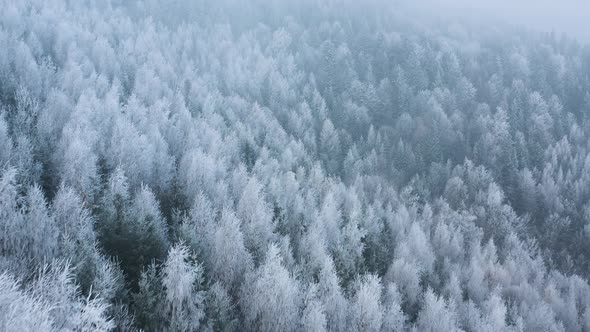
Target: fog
567,16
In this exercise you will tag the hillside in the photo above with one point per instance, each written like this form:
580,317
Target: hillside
283,166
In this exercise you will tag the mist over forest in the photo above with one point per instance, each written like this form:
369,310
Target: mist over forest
313,165
568,17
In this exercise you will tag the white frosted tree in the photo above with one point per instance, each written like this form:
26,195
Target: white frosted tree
332,297
143,155
76,153
366,311
181,280
20,311
132,229
6,147
201,172
330,149
495,312
148,220
436,315
220,312
229,258
10,214
349,253
149,303
270,298
55,285
394,319
197,228
40,226
330,219
313,316
79,168
76,237
407,275
115,197
256,217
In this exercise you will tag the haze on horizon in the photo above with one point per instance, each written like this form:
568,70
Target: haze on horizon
571,17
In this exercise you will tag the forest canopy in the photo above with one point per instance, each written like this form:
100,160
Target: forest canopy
289,166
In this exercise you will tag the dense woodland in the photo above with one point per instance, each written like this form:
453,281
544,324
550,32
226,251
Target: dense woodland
289,166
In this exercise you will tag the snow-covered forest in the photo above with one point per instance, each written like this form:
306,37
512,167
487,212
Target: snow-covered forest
265,165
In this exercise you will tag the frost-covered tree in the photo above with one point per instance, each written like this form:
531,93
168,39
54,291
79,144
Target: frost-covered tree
7,145
366,310
183,300
50,302
270,299
21,311
256,217
229,258
394,318
436,314
220,314
313,316
134,230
